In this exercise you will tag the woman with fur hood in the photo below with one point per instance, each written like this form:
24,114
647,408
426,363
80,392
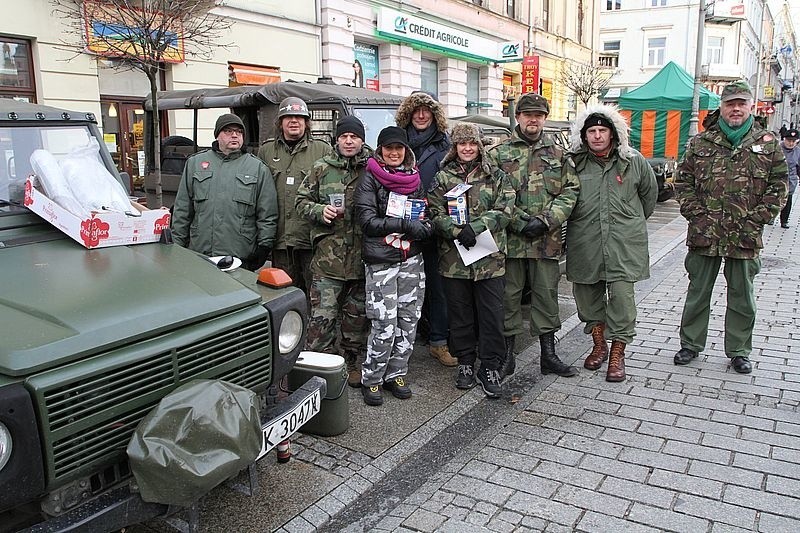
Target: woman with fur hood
394,228
607,232
472,195
424,120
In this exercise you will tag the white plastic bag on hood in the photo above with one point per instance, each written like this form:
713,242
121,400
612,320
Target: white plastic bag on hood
92,184
53,182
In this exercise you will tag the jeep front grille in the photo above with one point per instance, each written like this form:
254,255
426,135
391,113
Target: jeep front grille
91,408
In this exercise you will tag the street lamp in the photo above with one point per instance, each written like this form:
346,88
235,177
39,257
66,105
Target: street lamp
698,70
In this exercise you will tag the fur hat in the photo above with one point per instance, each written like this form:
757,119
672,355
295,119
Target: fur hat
418,99
610,113
465,132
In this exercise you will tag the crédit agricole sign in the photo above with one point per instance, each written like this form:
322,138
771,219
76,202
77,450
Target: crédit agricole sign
405,27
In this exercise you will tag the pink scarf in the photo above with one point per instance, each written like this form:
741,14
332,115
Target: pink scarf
396,180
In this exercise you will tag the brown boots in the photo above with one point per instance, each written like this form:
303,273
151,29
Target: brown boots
616,359
616,362
600,350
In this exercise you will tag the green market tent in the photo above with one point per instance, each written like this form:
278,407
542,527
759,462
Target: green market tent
658,112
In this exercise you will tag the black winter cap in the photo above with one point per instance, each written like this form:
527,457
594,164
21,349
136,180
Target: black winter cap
596,119
350,124
393,135
228,119
792,134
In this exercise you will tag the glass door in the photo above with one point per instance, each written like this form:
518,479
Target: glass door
123,134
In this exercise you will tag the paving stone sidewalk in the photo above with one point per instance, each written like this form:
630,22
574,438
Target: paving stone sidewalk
694,448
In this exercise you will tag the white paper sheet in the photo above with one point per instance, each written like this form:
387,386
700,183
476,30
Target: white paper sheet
484,246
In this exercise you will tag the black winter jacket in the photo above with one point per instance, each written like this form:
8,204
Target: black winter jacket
430,159
371,201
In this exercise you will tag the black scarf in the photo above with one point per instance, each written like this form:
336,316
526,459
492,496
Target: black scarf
419,140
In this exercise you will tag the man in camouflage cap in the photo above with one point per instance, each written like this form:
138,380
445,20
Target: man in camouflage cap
545,198
731,181
326,198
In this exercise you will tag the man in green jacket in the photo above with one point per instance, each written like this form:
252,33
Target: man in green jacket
226,202
290,156
607,232
731,182
326,198
545,198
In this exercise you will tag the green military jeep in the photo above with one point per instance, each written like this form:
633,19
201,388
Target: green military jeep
93,339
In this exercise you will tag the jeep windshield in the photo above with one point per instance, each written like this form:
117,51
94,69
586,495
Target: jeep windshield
374,119
18,143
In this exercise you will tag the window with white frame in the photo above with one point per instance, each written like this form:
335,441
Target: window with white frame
609,57
546,14
657,3
613,5
511,8
656,49
714,47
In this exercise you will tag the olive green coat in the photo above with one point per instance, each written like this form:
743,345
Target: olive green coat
337,246
225,205
607,231
289,167
490,201
728,195
542,190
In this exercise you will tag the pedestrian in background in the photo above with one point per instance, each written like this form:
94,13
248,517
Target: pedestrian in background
327,199
472,196
545,198
226,202
424,120
607,232
290,156
390,200
731,181
792,154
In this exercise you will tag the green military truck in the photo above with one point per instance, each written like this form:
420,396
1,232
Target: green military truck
93,339
257,106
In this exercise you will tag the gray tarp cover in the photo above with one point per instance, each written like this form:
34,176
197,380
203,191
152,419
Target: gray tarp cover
198,436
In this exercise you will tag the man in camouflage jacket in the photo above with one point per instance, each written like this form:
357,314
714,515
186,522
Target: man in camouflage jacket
337,291
731,181
545,198
290,156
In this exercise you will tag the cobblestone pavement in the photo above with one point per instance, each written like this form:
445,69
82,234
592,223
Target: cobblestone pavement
694,448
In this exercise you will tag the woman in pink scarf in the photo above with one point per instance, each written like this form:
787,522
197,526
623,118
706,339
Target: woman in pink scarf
392,211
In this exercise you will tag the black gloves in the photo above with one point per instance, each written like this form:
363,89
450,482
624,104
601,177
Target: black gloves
467,237
535,228
417,230
257,260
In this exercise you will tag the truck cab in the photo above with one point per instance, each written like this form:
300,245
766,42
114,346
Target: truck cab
93,339
257,106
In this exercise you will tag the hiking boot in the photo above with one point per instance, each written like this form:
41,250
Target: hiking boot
442,354
490,382
600,349
616,362
354,377
549,362
509,361
398,388
684,356
372,395
466,377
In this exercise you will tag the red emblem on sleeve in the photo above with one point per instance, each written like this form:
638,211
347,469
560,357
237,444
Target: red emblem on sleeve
204,165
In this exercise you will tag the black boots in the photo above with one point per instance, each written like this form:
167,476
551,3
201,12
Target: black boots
509,362
550,362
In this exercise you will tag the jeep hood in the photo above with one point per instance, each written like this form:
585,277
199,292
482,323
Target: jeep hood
61,303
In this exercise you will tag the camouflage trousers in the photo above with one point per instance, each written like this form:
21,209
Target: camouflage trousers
395,294
337,309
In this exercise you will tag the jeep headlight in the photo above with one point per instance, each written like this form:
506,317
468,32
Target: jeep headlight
291,332
5,445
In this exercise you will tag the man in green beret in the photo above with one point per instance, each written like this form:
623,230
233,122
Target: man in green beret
731,182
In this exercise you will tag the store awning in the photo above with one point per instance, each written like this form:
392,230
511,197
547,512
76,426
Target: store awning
239,74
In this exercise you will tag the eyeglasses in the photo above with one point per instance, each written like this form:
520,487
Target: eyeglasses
233,131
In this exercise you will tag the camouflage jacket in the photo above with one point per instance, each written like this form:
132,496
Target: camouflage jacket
543,191
225,205
337,246
490,201
727,194
607,230
289,166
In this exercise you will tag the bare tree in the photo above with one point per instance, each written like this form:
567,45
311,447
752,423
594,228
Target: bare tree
586,81
143,35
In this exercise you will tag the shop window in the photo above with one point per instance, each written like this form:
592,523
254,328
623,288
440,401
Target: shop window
473,90
16,70
430,76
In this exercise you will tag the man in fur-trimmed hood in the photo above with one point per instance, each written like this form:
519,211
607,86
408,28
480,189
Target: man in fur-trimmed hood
607,232
425,122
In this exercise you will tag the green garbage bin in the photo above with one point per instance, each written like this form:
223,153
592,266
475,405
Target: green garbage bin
334,415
